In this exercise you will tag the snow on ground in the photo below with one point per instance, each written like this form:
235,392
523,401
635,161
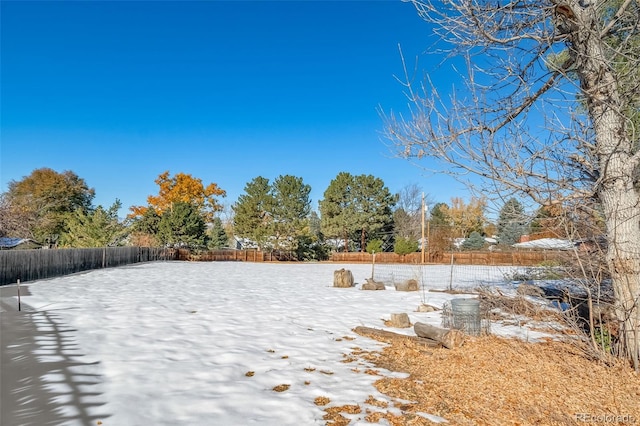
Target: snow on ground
175,342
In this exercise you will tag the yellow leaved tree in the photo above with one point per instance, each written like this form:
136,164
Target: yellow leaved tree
182,188
466,218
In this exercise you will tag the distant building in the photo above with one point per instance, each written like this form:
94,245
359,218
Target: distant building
546,244
18,243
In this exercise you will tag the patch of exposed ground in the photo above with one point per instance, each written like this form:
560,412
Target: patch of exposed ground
501,381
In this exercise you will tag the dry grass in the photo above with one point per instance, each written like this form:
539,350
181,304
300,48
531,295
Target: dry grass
499,381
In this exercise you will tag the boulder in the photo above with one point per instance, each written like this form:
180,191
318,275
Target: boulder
371,284
409,285
427,308
400,321
342,278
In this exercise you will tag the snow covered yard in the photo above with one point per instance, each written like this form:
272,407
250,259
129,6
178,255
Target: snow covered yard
207,343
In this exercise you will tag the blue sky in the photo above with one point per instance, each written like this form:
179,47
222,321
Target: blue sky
119,92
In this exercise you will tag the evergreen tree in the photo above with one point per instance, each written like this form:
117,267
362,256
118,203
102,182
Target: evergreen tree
337,210
512,222
474,242
145,229
96,228
405,246
218,237
359,207
252,218
374,246
312,246
315,227
374,208
182,226
439,216
289,211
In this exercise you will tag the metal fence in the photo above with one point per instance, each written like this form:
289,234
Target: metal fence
29,265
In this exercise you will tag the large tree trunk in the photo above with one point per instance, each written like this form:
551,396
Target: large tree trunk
623,257
616,164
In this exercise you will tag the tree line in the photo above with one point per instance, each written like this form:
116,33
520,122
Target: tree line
357,213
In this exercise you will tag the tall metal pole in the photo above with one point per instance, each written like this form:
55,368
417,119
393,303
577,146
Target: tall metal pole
422,240
428,235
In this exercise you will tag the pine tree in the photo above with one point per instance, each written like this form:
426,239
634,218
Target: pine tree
405,246
358,207
374,208
182,226
252,218
289,211
218,237
97,228
474,242
337,212
144,229
512,222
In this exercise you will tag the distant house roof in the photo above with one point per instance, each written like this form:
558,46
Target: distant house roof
546,244
7,243
244,243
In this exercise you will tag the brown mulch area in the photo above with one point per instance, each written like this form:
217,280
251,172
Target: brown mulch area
500,381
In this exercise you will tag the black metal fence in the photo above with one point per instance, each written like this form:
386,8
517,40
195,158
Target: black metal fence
29,265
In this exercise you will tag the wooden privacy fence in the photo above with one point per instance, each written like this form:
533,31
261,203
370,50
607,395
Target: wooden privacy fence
516,258
233,256
29,265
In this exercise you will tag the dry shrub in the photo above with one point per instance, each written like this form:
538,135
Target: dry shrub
494,300
566,325
499,381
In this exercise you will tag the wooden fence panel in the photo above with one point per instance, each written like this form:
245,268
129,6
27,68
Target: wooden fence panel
30,265
517,258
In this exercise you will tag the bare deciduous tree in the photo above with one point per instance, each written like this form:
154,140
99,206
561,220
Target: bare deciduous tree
550,109
14,221
408,213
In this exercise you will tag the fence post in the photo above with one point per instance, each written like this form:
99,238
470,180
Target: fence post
373,263
19,301
451,273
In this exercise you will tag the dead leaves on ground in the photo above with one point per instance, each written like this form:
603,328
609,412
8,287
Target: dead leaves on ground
497,381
